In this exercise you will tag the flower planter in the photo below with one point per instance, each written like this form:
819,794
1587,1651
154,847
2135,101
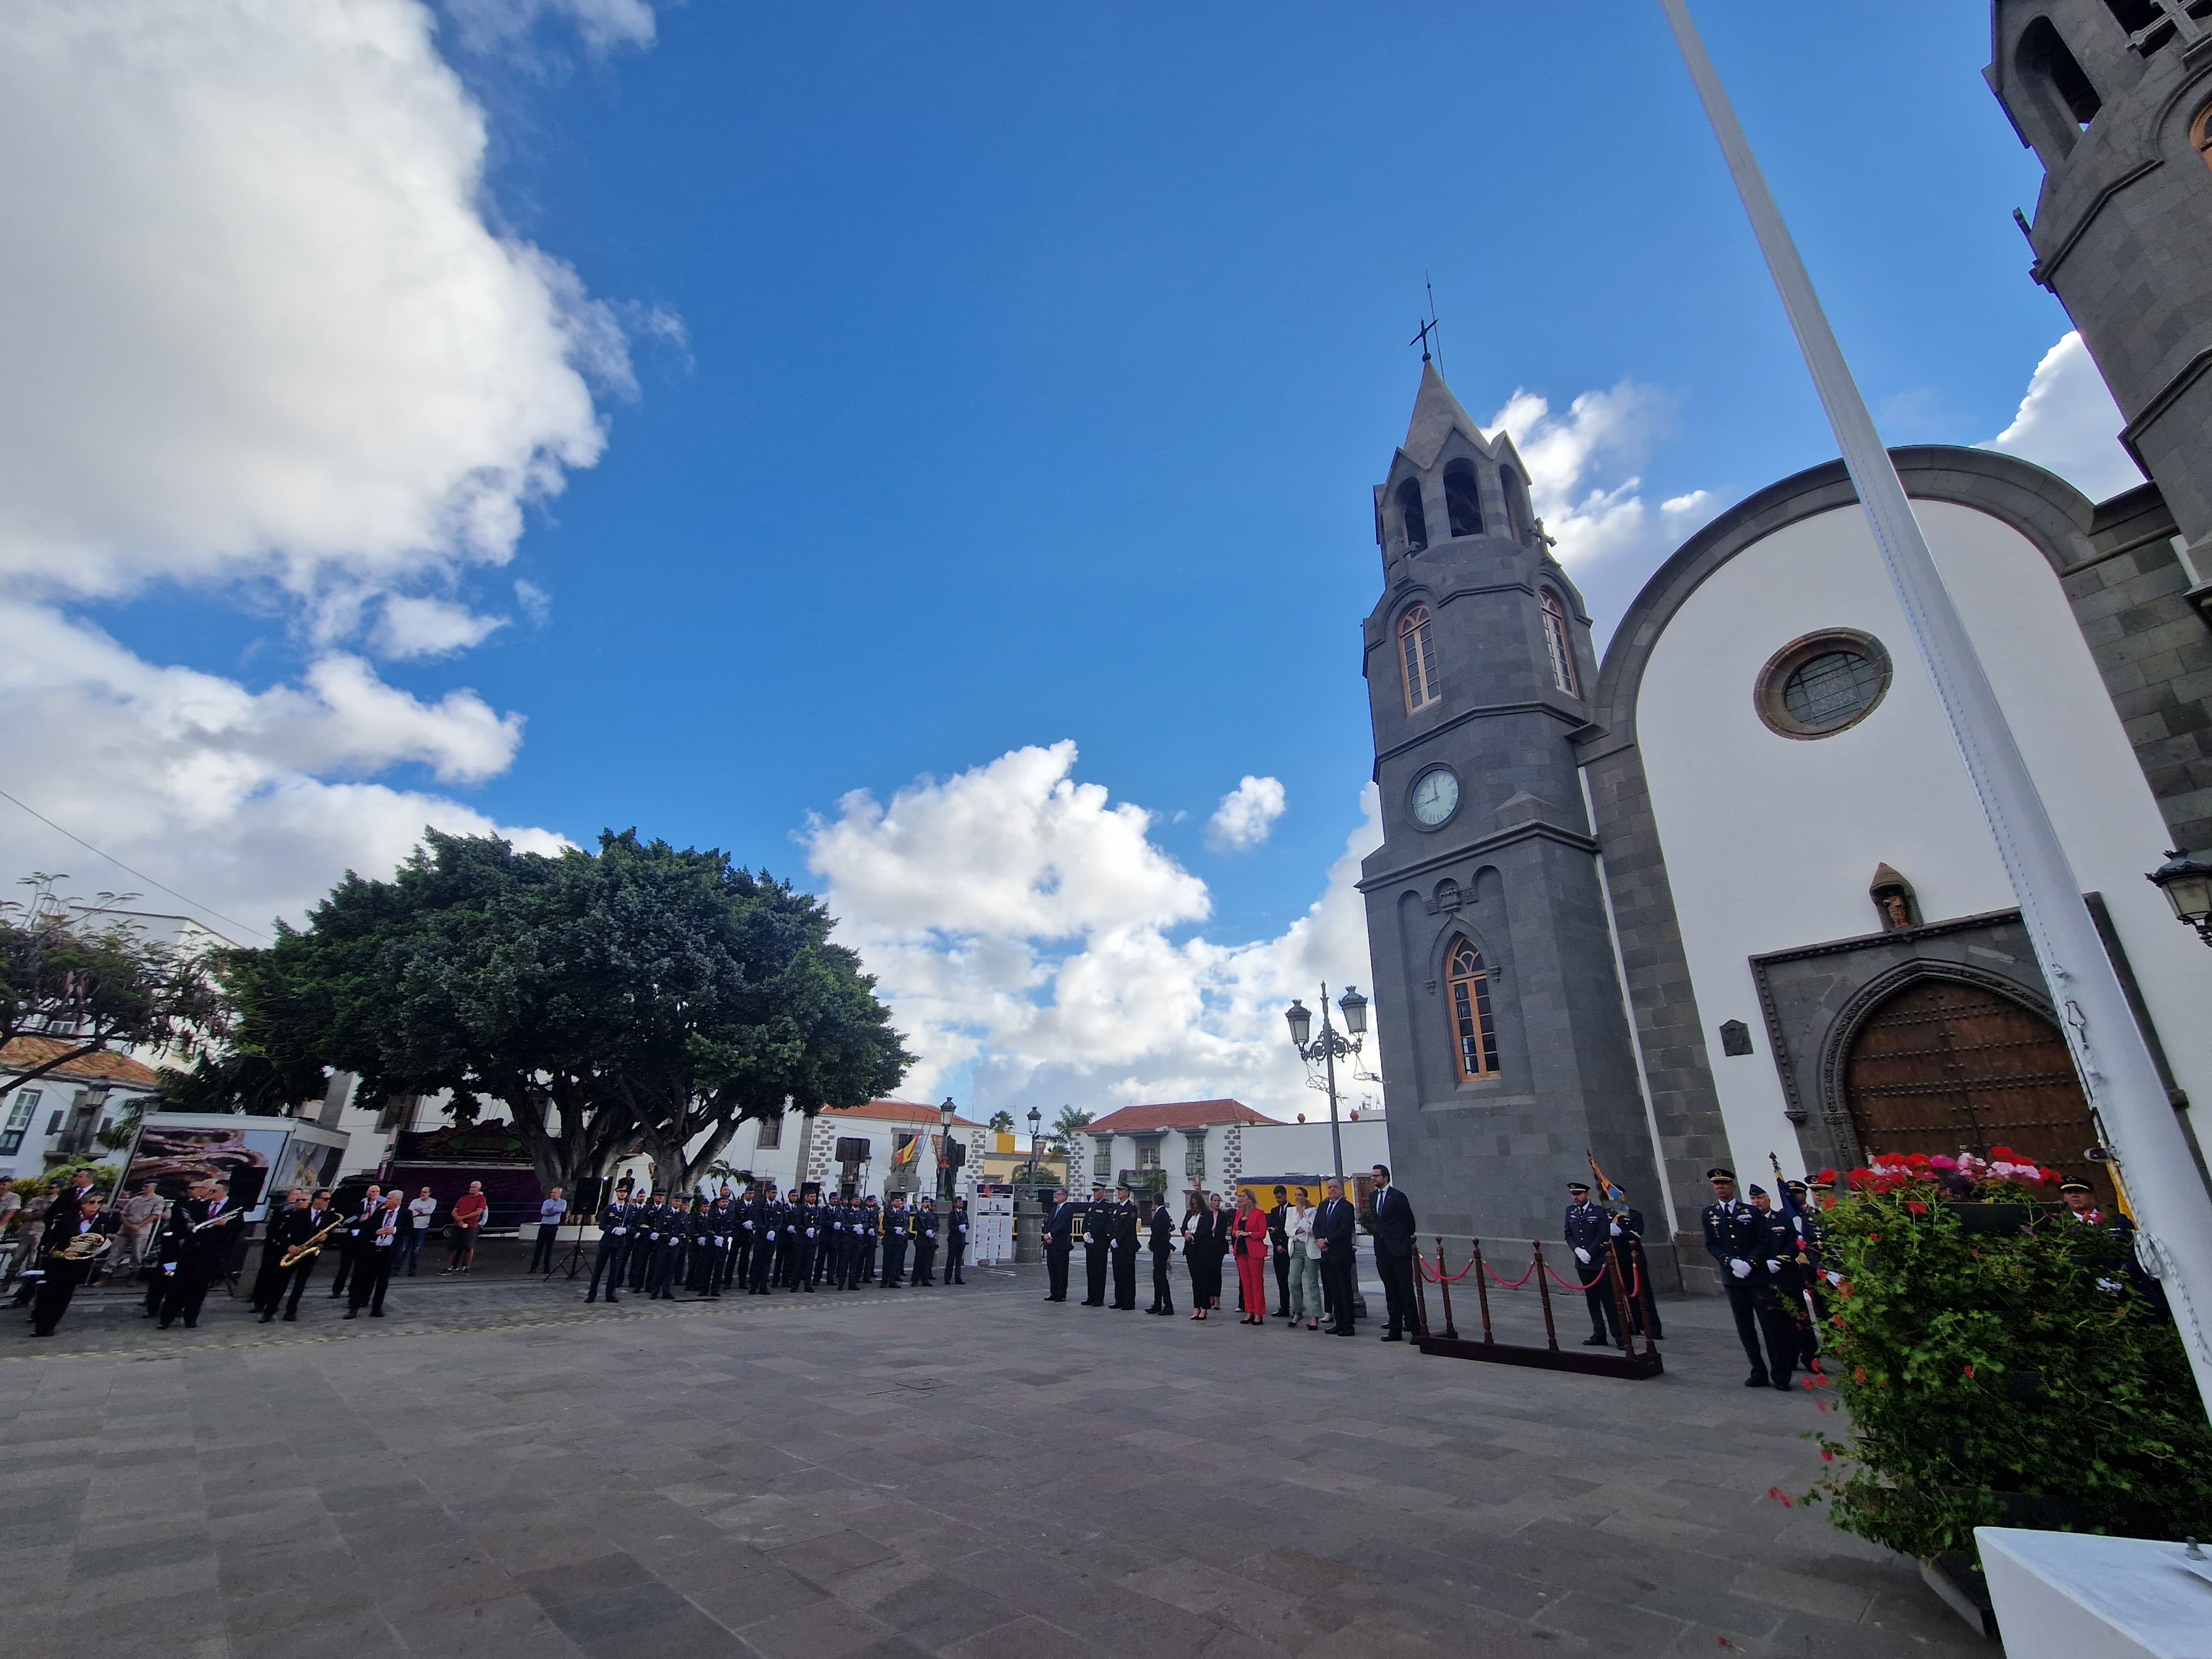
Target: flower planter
1958,1580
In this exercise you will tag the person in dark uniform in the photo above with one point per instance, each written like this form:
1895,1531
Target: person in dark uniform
871,1237
379,1248
1098,1247
616,1218
1162,1244
761,1227
859,1244
206,1225
1735,1238
319,1215
740,1273
836,1244
278,1236
1625,1230
1785,1278
807,1243
672,1232
898,1226
2114,1267
710,1248
927,1227
1812,1294
1058,1244
955,1242
645,1237
1121,1224
61,1274
1278,1251
1589,1234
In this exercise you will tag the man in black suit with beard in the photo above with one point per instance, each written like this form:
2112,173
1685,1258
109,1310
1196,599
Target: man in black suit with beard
1058,1244
1394,1255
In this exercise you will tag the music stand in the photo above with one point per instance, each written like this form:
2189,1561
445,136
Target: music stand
588,1188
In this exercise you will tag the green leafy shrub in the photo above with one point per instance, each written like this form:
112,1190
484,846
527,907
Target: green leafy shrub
1990,1381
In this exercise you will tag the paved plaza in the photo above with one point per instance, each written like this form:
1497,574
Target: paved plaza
498,1470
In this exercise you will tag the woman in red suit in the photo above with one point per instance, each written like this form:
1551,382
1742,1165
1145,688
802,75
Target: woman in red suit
1250,1232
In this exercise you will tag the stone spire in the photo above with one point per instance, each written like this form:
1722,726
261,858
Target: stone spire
1436,412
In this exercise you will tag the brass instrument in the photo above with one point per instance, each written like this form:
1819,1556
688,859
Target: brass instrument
311,1246
85,1247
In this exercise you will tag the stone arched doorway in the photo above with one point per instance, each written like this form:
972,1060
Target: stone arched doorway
1941,1065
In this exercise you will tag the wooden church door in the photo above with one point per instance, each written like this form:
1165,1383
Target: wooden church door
1942,1066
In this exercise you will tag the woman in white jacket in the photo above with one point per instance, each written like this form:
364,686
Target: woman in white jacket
1305,1264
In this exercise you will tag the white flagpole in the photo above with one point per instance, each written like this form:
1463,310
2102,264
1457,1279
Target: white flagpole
2172,1208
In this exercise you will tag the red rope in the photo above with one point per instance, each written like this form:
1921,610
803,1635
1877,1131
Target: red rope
1635,1277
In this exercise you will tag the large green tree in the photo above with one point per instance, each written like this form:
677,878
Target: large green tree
639,997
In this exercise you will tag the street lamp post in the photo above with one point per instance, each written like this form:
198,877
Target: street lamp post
1328,1046
2187,884
1036,1121
944,1116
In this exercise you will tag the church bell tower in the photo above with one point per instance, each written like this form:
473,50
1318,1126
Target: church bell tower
2115,97
1505,1041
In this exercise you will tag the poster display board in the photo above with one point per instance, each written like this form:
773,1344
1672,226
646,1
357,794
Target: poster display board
991,1231
253,1157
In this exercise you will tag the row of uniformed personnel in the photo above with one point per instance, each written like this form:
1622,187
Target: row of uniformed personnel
760,1240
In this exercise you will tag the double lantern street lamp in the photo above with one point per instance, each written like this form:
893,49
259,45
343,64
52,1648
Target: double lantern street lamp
1036,1121
946,1166
1329,1047
2187,884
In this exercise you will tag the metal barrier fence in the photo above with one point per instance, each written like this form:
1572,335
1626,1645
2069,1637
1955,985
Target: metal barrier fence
1624,1276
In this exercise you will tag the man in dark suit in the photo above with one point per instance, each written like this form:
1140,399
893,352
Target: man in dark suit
1394,1255
318,1214
1058,1244
62,1276
1279,1251
373,1253
1737,1239
1098,1245
206,1225
1163,1225
1122,1228
1588,1231
348,1235
1336,1231
280,1235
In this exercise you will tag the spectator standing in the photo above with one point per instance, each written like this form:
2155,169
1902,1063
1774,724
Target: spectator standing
10,1203
420,1210
549,1230
469,1211
141,1213
1162,1248
1394,1255
1304,1300
1279,1249
1249,1237
1336,1231
1200,1229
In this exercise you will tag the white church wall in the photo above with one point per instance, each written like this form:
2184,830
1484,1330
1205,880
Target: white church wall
1771,842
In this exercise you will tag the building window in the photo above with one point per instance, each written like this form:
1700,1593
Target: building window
1462,499
2200,134
2063,98
1558,641
1517,516
18,1121
1409,512
1148,1155
1417,650
771,1134
2148,25
1473,1028
54,1123
1823,684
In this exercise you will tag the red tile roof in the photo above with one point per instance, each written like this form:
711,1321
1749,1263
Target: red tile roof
1175,1114
28,1052
898,1111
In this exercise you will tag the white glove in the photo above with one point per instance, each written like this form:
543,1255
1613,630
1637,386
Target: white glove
771,1232
1834,1278
1772,1265
1615,1229
1582,1255
2108,1284
1739,1266
809,1232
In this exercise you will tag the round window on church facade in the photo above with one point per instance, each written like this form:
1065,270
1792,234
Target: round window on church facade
1823,684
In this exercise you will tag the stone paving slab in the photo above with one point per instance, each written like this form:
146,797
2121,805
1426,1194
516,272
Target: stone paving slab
964,1472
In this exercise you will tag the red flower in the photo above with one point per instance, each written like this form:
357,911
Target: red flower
1916,1206
2002,1154
1858,1374
1827,1457
1780,1496
1969,1371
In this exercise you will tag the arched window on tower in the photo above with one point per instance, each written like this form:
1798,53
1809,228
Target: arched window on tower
1417,651
1409,511
1517,515
2061,99
1474,1032
1462,499
1558,641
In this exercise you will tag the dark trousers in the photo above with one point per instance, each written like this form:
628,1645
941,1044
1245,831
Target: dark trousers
1397,1272
857,1252
786,1260
708,1262
345,1265
269,1282
1336,1280
894,1261
1604,1312
925,1258
741,1261
660,1273
868,1260
763,1263
955,1254
1758,1312
1636,1280
543,1252
1125,1277
411,1249
54,1292
803,1258
372,1273
1094,1275
1283,1283
187,1288
1163,1283
640,1260
613,1251
1056,1272
296,1283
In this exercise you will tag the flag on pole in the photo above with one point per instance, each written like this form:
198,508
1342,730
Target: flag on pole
1607,1190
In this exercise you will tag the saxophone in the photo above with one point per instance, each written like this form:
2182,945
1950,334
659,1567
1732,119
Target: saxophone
311,1246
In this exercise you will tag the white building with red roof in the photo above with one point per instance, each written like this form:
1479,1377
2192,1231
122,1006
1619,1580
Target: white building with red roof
1171,1146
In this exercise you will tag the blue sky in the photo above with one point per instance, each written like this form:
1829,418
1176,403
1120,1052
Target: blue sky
1004,375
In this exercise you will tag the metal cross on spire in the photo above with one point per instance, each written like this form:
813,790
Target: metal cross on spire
1421,339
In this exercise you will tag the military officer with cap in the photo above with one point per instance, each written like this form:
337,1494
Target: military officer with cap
1122,1241
871,1237
761,1228
2116,1263
898,1228
1625,1230
1097,1243
1589,1237
1737,1239
1058,1244
926,1226
616,1216
955,1242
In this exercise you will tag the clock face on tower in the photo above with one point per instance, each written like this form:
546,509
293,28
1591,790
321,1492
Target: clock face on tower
1436,796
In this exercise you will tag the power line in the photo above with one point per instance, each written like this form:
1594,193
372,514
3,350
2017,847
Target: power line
207,909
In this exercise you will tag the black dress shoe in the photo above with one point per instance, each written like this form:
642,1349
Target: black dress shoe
376,1313
1783,1384
1392,1336
1597,1342
291,1316
353,1313
1757,1380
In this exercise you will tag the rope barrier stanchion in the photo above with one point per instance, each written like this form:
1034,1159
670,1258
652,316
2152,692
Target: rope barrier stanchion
1543,1291
1482,1288
1619,1299
1421,1287
1444,1287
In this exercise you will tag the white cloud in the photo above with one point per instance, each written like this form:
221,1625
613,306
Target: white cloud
604,24
1247,815
1020,924
1593,523
535,602
2069,423
413,627
262,340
